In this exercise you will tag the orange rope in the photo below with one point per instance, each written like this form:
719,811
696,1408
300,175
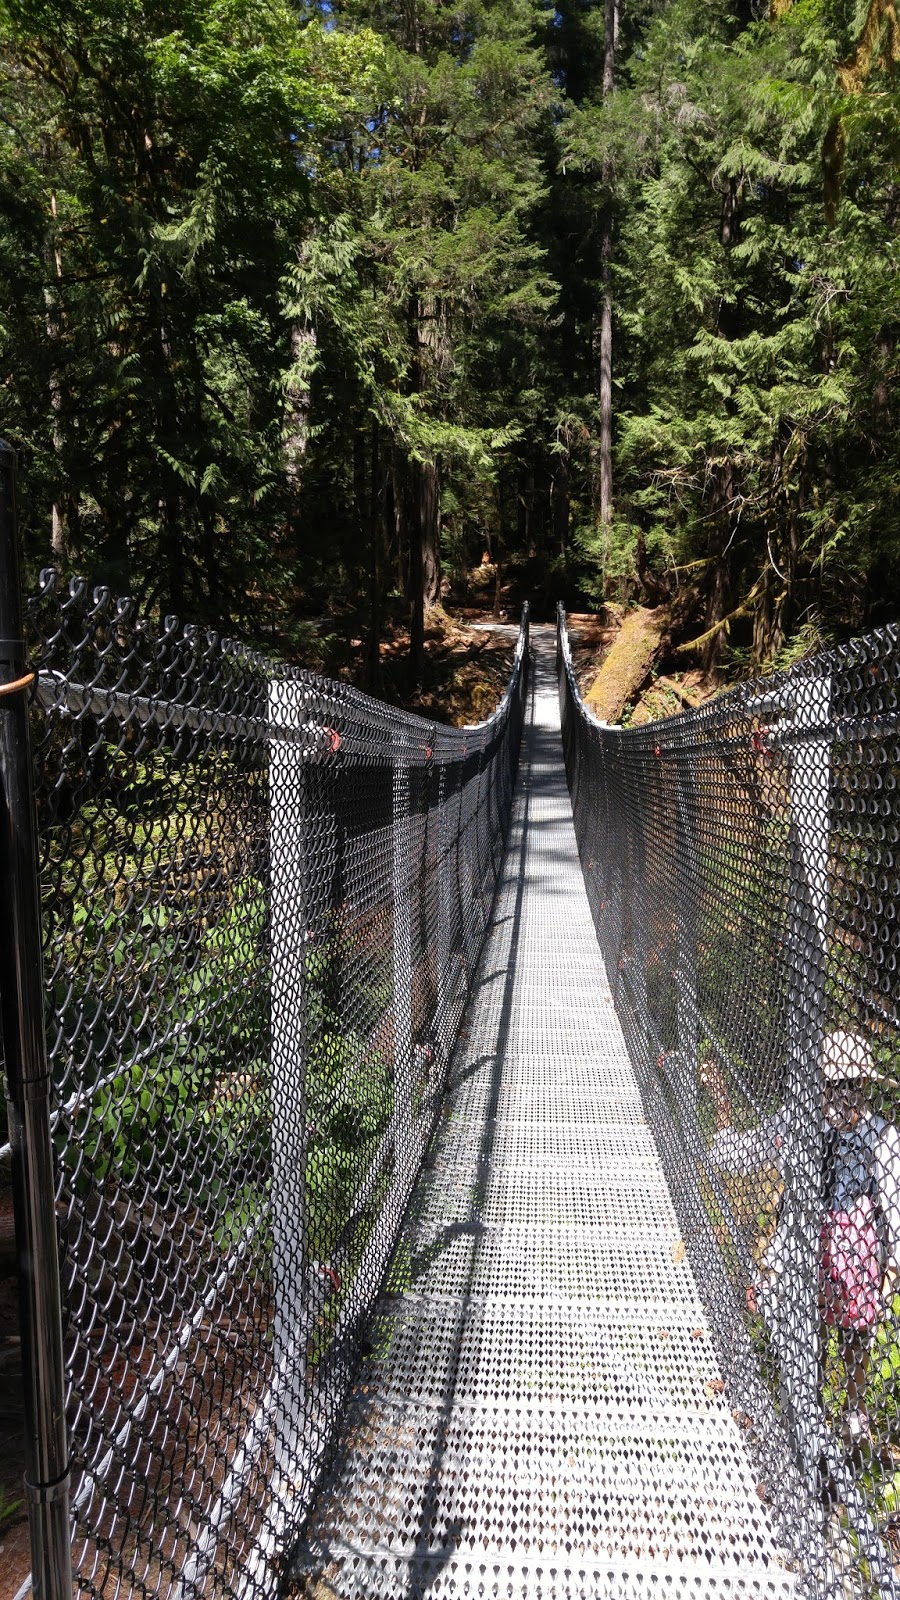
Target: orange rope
17,684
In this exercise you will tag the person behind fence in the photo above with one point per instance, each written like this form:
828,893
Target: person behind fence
859,1242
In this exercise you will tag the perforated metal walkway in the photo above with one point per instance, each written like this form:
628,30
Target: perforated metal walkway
540,1412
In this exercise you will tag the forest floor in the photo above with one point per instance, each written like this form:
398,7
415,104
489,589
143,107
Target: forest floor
468,656
468,659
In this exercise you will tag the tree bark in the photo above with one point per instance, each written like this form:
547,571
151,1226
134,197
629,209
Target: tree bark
652,591
429,490
172,561
610,40
413,505
60,542
422,507
296,410
376,517
718,595
628,662
393,522
718,602
560,503
717,609
606,479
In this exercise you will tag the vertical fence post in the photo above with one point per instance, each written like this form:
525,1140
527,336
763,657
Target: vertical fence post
481,833
467,848
634,957
686,876
444,985
402,957
288,763
810,771
455,867
28,1094
804,730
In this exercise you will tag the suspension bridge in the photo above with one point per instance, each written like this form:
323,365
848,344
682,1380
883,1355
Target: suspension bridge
447,1161
542,1412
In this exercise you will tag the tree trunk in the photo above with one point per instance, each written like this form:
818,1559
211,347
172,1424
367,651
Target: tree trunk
560,499
763,623
610,40
718,604
717,608
606,480
718,596
774,611
430,491
423,501
561,485
652,592
60,542
377,497
413,504
173,547
360,498
296,410
393,522
422,508
172,563
628,662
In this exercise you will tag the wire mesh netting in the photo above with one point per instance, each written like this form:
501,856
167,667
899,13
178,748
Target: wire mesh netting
741,863
264,895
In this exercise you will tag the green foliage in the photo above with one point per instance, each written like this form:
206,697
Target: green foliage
755,414
349,1079
293,300
158,948
195,1075
157,165
10,1508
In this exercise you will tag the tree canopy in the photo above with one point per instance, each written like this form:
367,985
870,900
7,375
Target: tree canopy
304,305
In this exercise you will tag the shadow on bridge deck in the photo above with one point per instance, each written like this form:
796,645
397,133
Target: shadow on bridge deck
540,1410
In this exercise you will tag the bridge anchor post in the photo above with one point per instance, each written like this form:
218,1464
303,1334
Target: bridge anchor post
289,766
804,731
810,774
28,1093
402,963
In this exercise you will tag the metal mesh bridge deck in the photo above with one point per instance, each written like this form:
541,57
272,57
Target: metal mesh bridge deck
539,1409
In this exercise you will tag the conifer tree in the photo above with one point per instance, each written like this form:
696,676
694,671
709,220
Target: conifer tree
301,308
445,191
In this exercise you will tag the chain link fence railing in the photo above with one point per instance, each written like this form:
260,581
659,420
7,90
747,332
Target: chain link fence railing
263,898
743,867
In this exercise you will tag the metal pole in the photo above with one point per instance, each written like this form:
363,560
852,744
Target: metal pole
634,947
477,914
402,954
28,1094
810,773
687,880
289,765
803,728
444,979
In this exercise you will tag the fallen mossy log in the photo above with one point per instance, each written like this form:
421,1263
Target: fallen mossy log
629,662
